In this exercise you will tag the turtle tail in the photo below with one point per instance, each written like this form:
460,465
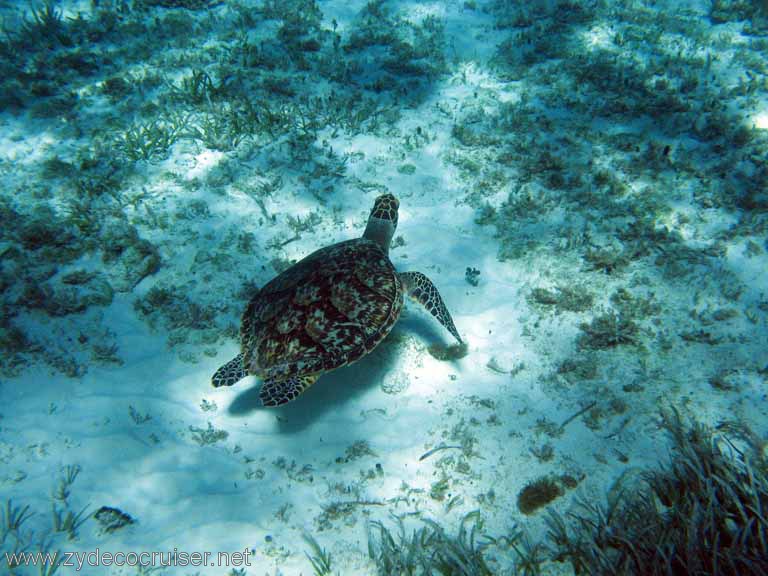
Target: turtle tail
232,372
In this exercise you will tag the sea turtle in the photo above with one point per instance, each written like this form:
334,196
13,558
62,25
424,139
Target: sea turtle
327,310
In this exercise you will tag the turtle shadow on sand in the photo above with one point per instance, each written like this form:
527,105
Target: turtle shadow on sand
332,390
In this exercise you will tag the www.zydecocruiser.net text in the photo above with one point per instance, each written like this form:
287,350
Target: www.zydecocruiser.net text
170,559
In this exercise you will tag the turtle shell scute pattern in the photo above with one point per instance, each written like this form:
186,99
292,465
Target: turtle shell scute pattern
325,311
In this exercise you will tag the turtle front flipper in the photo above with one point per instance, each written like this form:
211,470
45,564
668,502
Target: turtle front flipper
421,289
232,372
275,391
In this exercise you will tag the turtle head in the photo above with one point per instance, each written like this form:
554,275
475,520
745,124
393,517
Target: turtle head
383,221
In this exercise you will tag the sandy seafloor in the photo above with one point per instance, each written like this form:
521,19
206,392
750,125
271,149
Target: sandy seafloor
604,160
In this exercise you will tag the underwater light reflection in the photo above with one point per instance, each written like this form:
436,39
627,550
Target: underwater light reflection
599,37
204,162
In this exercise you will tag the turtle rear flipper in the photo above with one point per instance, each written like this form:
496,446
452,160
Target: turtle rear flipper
232,372
275,392
421,289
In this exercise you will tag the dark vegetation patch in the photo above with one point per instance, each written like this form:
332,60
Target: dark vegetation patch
538,494
279,80
697,513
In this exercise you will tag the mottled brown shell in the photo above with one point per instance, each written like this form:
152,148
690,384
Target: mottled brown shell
325,311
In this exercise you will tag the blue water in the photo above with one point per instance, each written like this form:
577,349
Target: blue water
585,184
